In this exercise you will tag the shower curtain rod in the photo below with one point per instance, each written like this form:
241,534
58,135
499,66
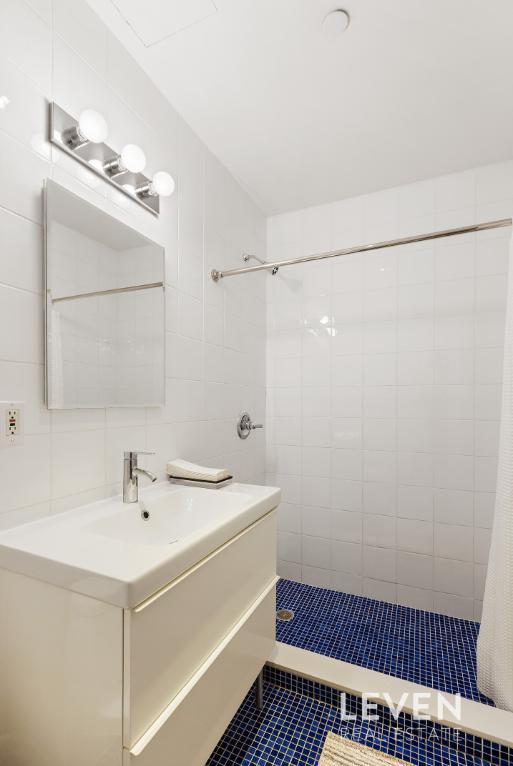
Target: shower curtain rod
217,275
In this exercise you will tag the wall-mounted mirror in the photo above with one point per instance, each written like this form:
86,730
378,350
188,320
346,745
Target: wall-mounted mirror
105,304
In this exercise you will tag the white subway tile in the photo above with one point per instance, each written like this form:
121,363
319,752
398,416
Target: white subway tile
22,312
379,466
454,261
346,464
346,583
346,433
316,461
415,570
316,491
316,552
454,577
454,506
27,42
417,334
415,468
380,434
379,563
489,365
316,432
319,578
379,402
77,462
346,557
415,368
316,522
380,590
379,498
454,542
454,366
287,431
380,336
482,540
484,509
289,518
415,503
82,29
415,265
416,598
415,435
347,526
346,402
346,494
315,401
485,474
455,606
23,172
380,369
415,536
379,531
289,547
454,472
347,370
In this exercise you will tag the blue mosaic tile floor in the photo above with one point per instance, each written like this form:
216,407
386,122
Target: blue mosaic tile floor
291,729
423,647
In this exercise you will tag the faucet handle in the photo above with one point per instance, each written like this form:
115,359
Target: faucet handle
131,453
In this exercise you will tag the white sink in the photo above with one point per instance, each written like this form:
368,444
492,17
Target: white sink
168,519
107,550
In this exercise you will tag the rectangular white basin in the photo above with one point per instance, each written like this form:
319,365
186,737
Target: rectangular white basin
168,519
123,553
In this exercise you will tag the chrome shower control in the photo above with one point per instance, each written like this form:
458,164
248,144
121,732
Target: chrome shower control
245,425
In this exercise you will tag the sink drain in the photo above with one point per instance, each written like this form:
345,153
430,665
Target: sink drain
284,615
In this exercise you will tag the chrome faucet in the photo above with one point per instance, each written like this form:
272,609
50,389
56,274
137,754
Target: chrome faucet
131,473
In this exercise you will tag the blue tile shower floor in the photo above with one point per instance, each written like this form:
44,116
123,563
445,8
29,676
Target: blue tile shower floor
291,729
423,647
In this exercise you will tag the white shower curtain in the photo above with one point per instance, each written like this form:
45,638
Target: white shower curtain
495,642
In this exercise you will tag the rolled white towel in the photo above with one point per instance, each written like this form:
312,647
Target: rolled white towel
182,469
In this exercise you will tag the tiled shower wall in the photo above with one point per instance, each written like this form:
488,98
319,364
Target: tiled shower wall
384,384
59,50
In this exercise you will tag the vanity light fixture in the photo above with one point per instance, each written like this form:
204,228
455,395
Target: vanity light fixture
84,139
161,185
132,158
91,128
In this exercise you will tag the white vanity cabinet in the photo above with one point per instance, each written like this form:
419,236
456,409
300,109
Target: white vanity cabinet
89,683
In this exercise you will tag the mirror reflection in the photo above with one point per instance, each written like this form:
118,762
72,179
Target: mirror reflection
105,323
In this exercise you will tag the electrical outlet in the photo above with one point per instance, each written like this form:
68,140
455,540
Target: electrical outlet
11,420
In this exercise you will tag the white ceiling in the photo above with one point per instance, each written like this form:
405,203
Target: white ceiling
414,89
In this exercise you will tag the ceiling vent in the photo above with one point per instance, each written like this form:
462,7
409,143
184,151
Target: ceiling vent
157,20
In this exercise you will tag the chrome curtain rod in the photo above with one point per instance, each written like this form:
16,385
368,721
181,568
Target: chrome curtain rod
112,291
217,275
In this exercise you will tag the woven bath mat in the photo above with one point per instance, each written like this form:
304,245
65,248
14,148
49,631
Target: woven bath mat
338,751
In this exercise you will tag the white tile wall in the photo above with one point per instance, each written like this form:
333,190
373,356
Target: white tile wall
58,50
384,381
383,371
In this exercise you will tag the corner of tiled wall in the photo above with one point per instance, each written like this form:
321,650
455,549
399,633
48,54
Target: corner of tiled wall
384,381
57,50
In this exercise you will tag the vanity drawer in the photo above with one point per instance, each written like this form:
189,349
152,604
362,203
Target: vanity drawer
189,728
170,635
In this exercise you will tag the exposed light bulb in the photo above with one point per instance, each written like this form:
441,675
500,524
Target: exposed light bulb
92,126
132,158
163,184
